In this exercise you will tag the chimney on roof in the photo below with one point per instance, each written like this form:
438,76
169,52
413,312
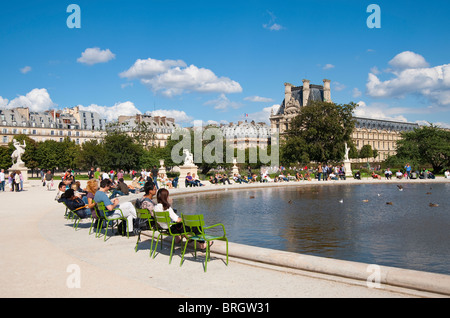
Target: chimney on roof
305,92
326,91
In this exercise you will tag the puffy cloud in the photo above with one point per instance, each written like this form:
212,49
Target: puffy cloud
408,59
172,78
149,68
379,111
328,66
94,55
36,100
264,114
25,70
411,77
222,103
258,99
111,113
272,26
179,115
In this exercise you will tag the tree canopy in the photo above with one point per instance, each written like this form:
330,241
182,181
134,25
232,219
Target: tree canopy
427,145
319,133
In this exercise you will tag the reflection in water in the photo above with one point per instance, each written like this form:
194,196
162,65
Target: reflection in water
349,222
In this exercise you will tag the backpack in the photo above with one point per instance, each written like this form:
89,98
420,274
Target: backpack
122,228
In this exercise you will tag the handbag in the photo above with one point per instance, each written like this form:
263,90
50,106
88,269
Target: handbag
43,183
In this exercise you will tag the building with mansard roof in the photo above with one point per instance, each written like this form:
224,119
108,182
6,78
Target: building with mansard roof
78,125
381,134
246,134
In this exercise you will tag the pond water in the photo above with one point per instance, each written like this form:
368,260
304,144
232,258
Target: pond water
347,222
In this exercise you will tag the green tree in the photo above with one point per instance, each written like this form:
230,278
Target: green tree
366,152
120,152
5,157
319,133
90,155
427,145
47,154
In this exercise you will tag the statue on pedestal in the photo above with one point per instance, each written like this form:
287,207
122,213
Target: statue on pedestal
188,158
17,154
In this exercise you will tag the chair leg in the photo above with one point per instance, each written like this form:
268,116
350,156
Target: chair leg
137,242
106,230
171,249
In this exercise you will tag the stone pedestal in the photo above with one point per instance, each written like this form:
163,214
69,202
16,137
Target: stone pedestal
23,170
235,168
162,169
183,173
348,168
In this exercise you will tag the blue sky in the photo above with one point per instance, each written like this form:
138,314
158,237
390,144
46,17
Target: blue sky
216,61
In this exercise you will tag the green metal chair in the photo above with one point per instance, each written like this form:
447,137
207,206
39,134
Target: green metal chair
164,218
103,211
74,216
145,214
194,228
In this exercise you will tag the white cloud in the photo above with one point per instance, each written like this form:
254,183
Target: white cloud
222,103
264,114
113,112
356,92
328,66
379,111
408,59
258,99
25,69
339,86
412,76
94,55
272,26
179,115
172,78
36,100
146,69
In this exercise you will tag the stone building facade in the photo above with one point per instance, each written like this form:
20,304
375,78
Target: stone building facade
50,125
78,125
381,134
245,134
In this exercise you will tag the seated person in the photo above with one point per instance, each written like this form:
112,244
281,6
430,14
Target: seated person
332,176
127,208
307,176
388,174
136,185
61,189
197,181
75,204
358,175
375,176
399,174
282,177
213,180
189,181
225,179
121,189
447,174
299,176
431,175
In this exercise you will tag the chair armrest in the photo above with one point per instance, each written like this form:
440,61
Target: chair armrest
216,225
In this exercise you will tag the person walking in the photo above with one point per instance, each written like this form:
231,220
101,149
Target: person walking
49,180
2,180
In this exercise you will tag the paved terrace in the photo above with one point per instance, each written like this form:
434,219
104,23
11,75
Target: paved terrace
40,250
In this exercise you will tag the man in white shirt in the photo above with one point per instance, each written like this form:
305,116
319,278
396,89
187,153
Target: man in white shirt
2,180
447,174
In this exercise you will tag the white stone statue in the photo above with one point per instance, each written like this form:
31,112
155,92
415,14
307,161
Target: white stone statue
346,152
188,158
17,154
